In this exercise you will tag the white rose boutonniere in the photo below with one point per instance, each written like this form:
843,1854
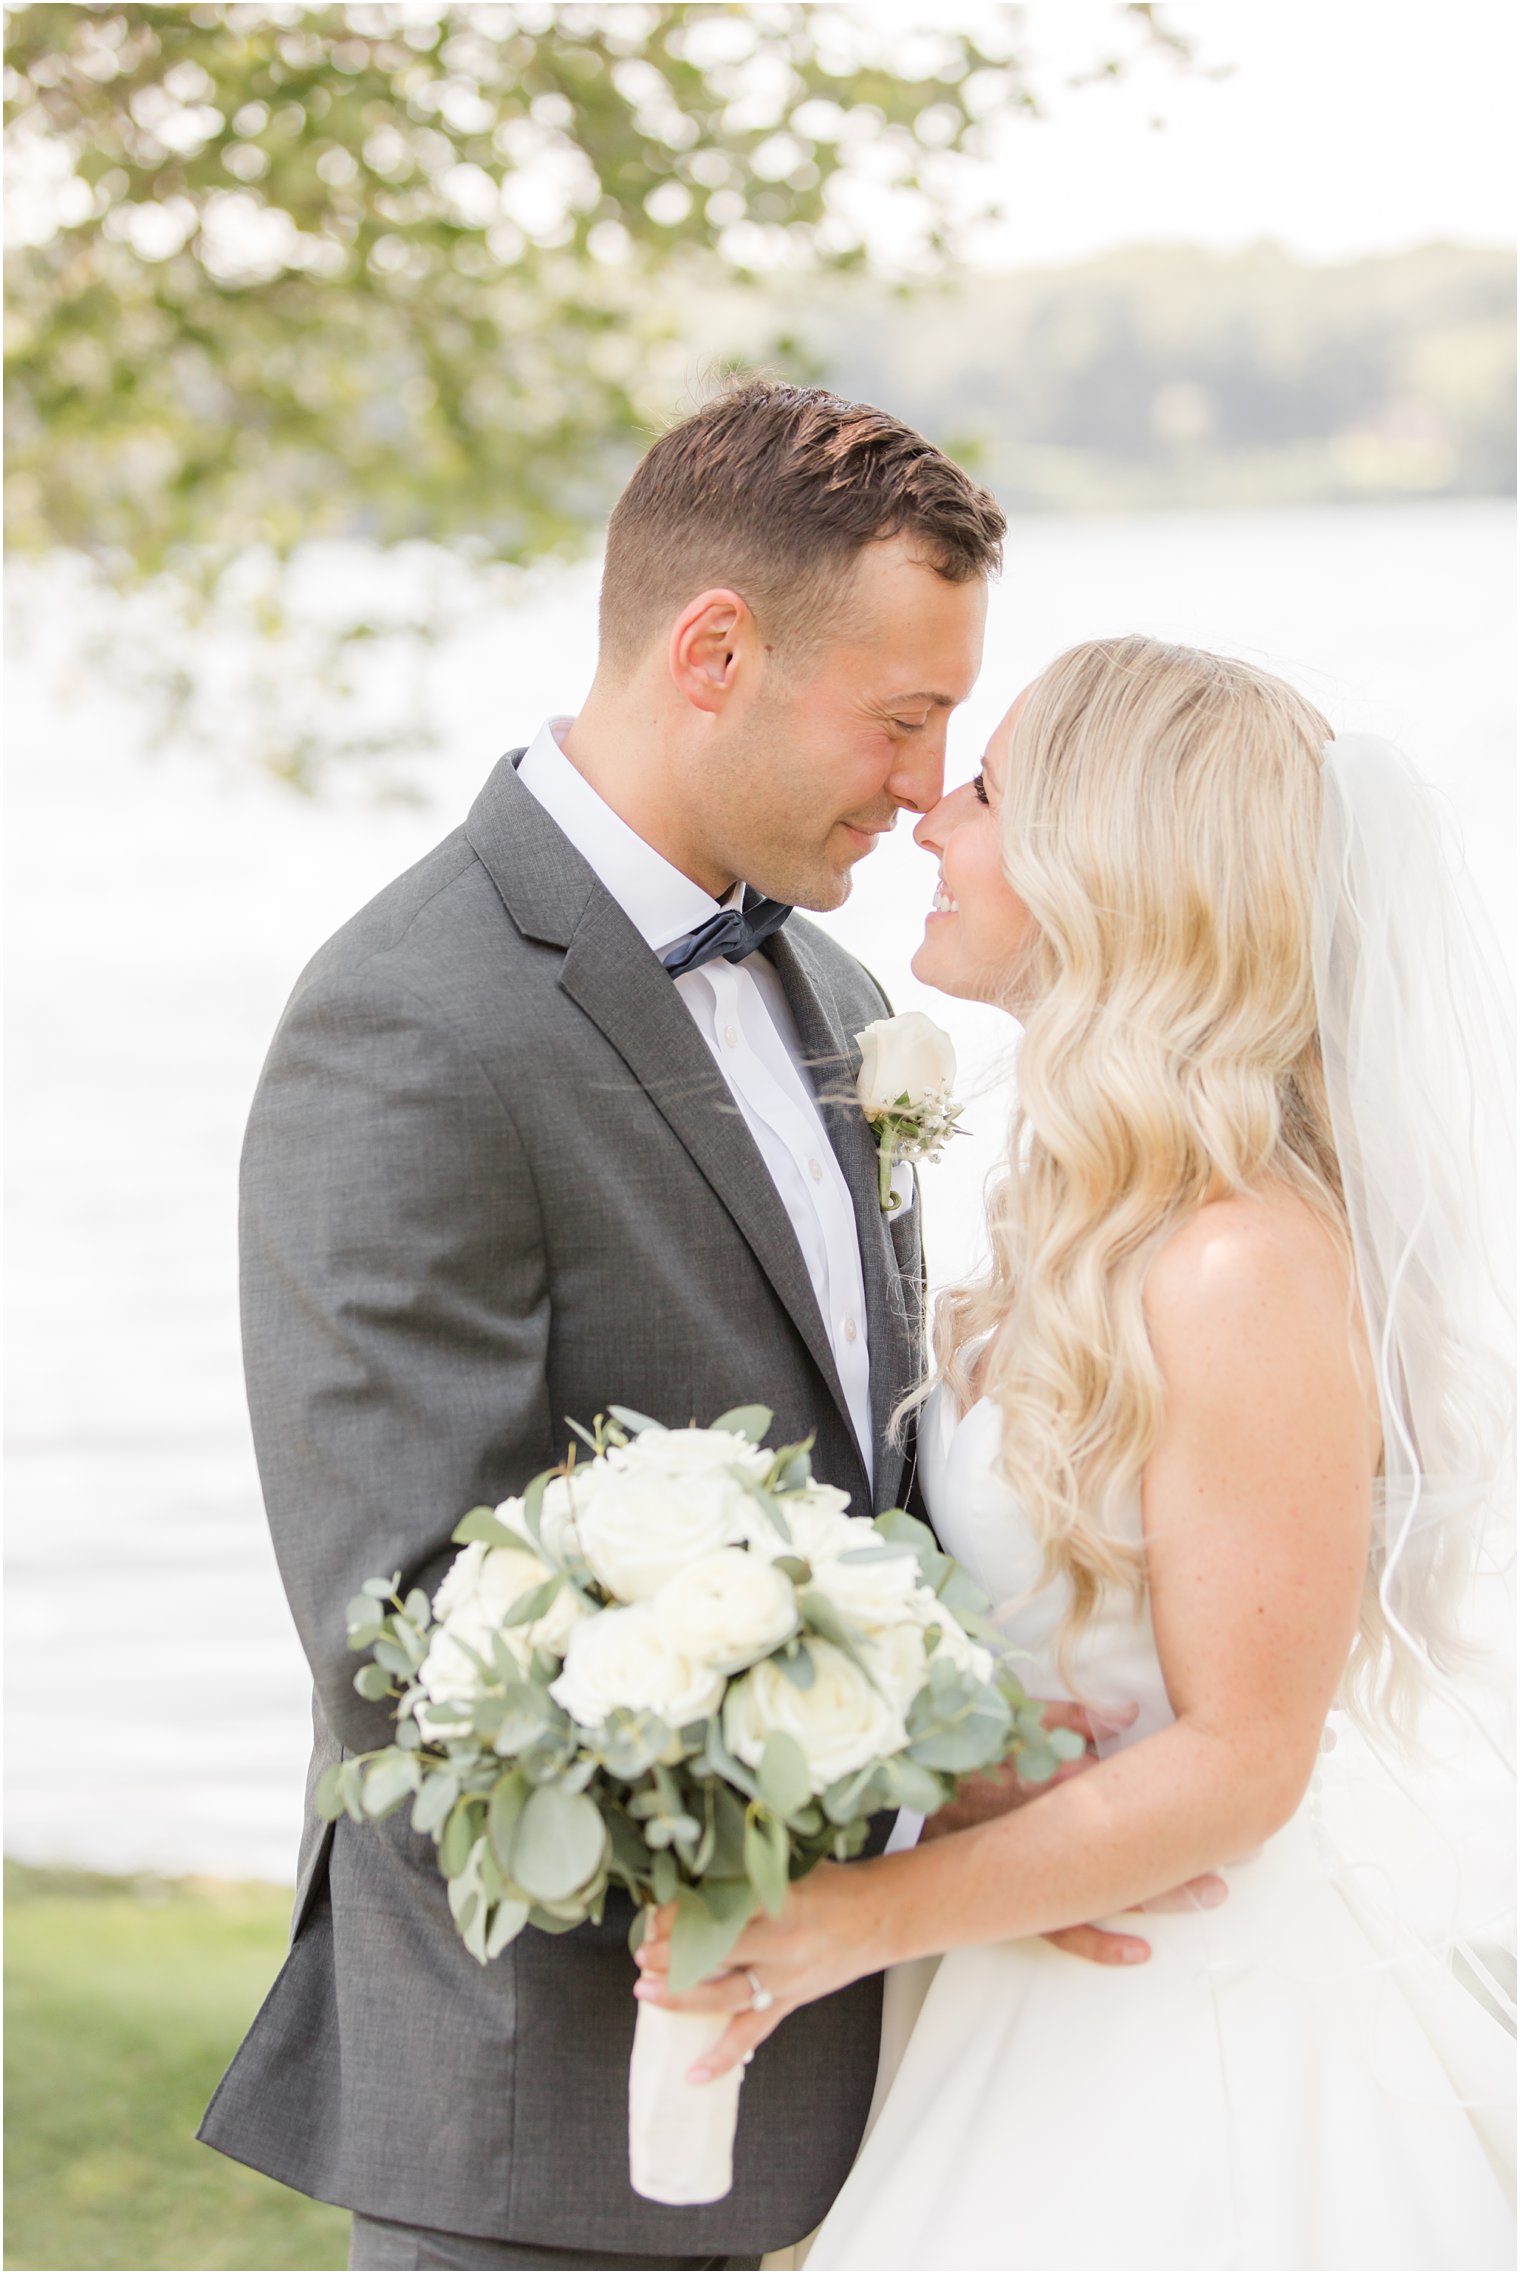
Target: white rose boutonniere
907,1072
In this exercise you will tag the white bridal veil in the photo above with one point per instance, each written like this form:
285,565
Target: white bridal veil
1417,1030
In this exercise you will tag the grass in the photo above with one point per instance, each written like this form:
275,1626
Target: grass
124,2002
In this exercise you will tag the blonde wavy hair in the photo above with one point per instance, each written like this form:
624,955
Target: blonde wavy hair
1160,820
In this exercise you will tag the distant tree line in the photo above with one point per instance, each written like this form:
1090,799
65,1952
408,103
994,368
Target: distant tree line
1169,376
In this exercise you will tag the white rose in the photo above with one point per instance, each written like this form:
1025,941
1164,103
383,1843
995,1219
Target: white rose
621,1657
507,1573
564,1499
452,1672
816,1521
689,1452
662,1505
726,1610
874,1594
908,1056
925,1609
480,1585
897,1658
485,1581
841,1723
459,1582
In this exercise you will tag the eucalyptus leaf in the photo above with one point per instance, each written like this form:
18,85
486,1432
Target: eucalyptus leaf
417,1608
467,1901
959,1592
974,1739
560,1844
916,1786
532,1603
1065,1744
507,1922
351,1785
729,1818
458,1839
784,1777
533,1506
846,1800
751,1421
723,1763
438,1795
797,1665
484,1524
794,1470
897,1524
708,1922
392,1657
628,1849
374,1683
327,1800
388,1781
664,1878
550,1922
509,1797
820,1614
633,1422
381,1589
765,1859
769,1507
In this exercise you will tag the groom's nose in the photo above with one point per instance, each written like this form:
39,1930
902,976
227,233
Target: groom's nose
917,779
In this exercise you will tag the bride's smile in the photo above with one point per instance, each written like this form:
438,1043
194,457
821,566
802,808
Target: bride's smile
977,928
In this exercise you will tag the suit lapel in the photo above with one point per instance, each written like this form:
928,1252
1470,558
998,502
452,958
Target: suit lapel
554,896
893,1295
611,974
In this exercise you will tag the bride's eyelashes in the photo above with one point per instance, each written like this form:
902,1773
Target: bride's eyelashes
979,790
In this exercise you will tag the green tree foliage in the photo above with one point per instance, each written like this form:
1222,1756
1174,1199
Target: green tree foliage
410,272
330,267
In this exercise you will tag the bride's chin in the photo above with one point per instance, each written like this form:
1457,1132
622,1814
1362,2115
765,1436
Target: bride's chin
932,968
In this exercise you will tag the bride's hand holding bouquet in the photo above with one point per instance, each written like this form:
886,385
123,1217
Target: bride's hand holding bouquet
678,1667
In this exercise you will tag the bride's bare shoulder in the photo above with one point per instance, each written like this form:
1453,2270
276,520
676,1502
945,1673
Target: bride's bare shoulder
1256,1287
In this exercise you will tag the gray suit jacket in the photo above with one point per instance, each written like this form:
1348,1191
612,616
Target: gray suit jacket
493,1178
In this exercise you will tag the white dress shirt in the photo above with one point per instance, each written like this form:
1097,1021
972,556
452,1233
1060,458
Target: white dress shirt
742,1014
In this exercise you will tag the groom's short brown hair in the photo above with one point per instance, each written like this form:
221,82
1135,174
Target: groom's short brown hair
773,489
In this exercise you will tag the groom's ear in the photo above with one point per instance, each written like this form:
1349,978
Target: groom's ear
710,643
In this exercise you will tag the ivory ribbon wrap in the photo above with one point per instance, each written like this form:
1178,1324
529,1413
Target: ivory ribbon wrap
680,2135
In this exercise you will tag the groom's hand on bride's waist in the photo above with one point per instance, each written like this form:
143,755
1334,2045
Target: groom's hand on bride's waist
981,1798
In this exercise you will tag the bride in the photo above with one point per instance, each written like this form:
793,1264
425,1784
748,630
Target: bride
1221,1431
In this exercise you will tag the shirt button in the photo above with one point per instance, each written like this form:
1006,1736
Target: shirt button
730,1036
815,1171
851,1330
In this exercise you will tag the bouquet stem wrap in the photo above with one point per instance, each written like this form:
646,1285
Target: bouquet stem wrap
680,2135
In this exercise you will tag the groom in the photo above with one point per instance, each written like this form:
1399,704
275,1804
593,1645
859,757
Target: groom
564,1117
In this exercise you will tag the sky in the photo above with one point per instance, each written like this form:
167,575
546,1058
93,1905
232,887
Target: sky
1345,127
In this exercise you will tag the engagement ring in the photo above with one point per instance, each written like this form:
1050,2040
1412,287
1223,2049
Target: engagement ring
760,1999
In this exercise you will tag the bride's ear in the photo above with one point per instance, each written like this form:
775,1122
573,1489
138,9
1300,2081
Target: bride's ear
709,643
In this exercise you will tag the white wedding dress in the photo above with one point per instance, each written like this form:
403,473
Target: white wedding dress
1265,2092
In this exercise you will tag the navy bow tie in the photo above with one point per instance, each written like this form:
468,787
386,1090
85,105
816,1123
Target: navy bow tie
733,933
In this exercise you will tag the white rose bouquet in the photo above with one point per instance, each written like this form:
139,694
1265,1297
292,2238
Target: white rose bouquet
680,1667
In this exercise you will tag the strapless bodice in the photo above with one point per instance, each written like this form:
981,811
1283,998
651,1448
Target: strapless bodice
979,1521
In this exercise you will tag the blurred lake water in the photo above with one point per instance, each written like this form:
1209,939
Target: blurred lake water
159,914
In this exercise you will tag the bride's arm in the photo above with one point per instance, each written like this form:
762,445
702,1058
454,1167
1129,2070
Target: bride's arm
1256,1505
